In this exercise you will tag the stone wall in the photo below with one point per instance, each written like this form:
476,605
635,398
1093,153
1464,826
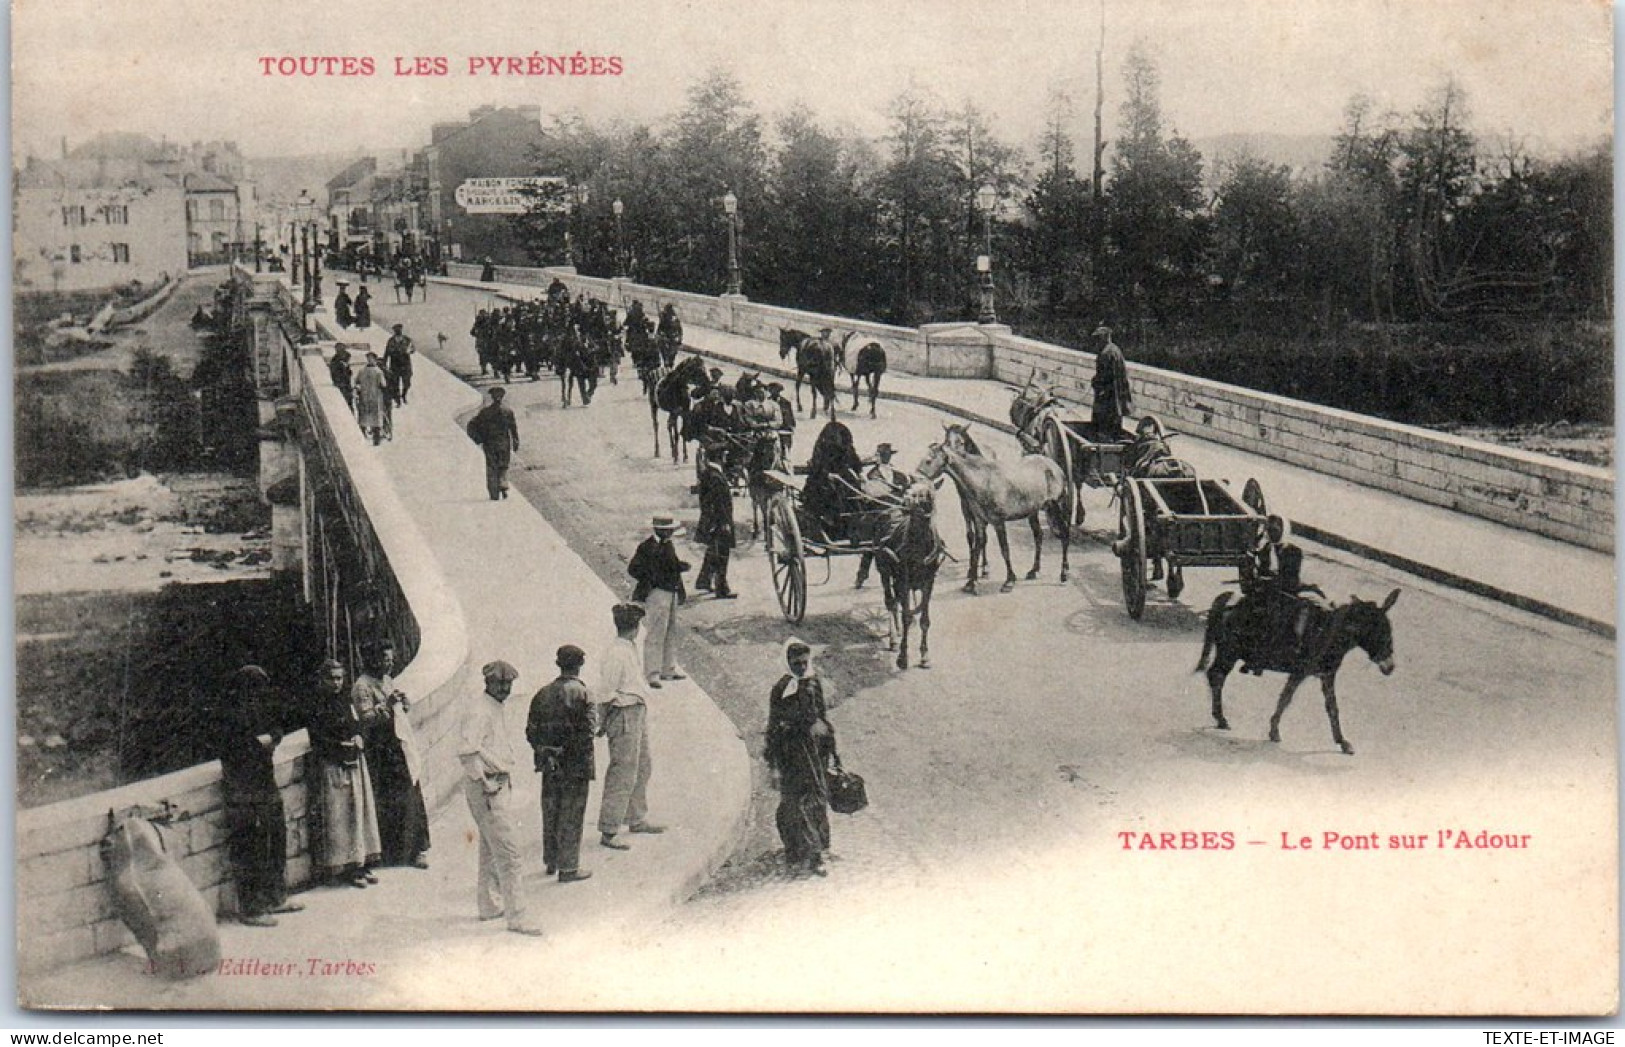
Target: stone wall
65,908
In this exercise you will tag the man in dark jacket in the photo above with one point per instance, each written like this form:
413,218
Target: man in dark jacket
560,730
659,574
343,311
1114,400
398,365
497,433
716,527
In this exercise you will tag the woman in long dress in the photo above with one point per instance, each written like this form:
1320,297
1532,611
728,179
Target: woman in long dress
348,841
392,759
799,743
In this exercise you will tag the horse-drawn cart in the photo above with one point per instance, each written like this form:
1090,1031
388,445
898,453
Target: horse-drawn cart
1170,523
1166,521
898,529
790,545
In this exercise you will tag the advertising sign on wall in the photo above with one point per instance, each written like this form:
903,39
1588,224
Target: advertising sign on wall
502,195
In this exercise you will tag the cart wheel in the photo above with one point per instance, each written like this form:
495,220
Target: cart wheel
1059,451
1131,548
785,560
1176,581
1252,496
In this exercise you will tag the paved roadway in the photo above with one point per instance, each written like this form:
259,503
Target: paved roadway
990,871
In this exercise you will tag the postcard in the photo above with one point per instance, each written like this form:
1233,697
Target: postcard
829,507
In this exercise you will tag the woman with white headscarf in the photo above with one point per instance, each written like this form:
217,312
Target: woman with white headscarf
799,742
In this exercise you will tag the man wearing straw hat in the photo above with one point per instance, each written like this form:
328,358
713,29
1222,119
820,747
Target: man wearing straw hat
490,758
658,571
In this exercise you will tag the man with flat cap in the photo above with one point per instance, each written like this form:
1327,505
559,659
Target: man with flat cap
623,706
560,729
490,757
398,354
1114,400
497,433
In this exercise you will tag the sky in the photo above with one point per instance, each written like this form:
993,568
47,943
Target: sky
191,69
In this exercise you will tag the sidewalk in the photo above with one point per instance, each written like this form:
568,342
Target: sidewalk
1564,582
524,593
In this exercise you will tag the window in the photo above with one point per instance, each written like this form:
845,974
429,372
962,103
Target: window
217,210
121,254
73,254
191,210
73,215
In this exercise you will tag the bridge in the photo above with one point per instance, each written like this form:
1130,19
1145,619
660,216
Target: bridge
400,540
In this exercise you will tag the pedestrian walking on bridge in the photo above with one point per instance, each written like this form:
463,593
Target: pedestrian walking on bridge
798,748
497,433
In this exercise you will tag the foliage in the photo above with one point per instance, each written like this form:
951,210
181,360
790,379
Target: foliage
1410,221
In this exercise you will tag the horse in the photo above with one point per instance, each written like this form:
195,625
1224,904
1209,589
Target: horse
815,362
1328,634
672,394
871,364
994,493
908,552
766,456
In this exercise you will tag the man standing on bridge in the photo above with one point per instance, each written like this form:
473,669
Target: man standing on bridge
398,363
1114,400
497,433
623,719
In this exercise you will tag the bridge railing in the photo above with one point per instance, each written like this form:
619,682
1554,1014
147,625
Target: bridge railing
65,906
1563,500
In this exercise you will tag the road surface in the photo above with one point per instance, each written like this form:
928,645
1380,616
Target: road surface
1004,863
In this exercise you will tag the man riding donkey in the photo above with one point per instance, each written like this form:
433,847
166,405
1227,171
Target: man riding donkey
1276,601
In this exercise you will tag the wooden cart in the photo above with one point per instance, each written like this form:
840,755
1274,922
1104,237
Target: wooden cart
1183,522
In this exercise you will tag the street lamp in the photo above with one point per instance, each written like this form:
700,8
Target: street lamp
730,207
986,198
579,195
259,249
620,240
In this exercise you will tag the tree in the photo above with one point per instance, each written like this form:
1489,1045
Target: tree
1055,245
717,148
816,245
1255,236
921,220
1155,205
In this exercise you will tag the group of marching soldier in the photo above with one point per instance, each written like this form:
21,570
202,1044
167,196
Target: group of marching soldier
579,339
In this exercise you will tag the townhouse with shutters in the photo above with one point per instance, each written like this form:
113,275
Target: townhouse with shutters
124,208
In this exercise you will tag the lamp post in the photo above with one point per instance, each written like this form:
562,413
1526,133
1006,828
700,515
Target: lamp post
986,199
730,207
259,249
620,240
579,195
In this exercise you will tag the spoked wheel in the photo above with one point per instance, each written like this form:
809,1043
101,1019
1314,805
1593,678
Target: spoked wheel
785,559
1252,496
1058,449
1131,548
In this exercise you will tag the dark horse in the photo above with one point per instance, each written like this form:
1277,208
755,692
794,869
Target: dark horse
1239,632
871,364
815,362
908,552
673,393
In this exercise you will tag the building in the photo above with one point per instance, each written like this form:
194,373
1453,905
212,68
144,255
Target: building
96,222
214,219
492,143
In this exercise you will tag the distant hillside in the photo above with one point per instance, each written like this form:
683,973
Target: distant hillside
280,178
1302,153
